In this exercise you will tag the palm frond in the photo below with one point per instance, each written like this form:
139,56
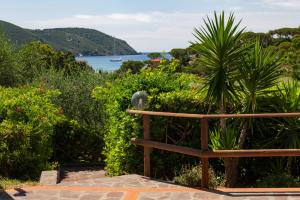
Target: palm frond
217,43
259,71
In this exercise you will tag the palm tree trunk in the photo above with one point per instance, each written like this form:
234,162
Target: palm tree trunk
227,161
289,164
234,163
228,171
243,134
231,164
222,120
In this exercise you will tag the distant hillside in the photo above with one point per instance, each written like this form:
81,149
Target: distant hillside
274,37
76,40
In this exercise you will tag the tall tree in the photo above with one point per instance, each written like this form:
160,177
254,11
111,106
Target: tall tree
9,70
259,71
218,44
154,55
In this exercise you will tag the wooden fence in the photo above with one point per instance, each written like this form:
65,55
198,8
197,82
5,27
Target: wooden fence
205,153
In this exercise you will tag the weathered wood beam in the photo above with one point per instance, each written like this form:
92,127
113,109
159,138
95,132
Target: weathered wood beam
218,153
214,116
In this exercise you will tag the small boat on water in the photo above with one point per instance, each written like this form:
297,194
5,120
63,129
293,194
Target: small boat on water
116,59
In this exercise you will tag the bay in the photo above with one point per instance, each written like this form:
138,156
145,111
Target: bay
104,63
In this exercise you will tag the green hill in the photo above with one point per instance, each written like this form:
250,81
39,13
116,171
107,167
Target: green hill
76,40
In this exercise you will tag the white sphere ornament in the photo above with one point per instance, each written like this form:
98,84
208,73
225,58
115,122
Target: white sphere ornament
139,100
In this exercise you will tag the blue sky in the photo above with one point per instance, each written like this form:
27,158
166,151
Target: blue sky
148,25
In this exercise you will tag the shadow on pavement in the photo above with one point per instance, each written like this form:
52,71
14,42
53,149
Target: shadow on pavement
245,192
4,195
254,193
18,193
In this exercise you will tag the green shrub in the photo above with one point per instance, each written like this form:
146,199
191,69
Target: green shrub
296,41
85,116
168,91
7,183
274,133
87,140
278,180
183,55
154,55
9,70
27,120
192,176
226,141
134,66
37,57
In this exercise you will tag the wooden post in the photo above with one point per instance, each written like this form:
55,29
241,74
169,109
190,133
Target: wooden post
204,147
147,150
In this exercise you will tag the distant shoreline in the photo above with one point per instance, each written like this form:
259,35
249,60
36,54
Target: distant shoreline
104,62
141,53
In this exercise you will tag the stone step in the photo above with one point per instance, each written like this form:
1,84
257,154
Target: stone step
81,174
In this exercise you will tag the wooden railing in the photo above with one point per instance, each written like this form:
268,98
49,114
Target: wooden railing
205,153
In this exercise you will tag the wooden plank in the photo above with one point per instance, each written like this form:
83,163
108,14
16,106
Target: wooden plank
257,115
252,153
167,147
165,114
147,150
218,153
214,116
204,147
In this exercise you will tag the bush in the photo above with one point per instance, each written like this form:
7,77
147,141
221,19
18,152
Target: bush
278,180
9,70
274,133
182,55
134,66
87,140
7,183
37,57
85,116
296,41
154,55
27,119
168,91
192,176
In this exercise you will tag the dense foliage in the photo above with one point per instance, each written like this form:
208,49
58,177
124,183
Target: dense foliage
132,65
285,41
236,78
154,55
40,65
191,176
85,116
26,128
168,91
9,71
37,57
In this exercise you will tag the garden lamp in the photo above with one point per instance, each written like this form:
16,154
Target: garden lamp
139,100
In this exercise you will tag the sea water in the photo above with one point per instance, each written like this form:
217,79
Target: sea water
104,63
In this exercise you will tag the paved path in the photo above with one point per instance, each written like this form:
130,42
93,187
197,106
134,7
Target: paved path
135,187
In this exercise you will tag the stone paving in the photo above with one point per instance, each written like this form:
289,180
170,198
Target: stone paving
69,175
134,187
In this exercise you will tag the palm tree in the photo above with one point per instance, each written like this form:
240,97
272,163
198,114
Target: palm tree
218,43
259,71
287,99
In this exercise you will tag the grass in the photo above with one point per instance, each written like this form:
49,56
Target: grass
7,183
